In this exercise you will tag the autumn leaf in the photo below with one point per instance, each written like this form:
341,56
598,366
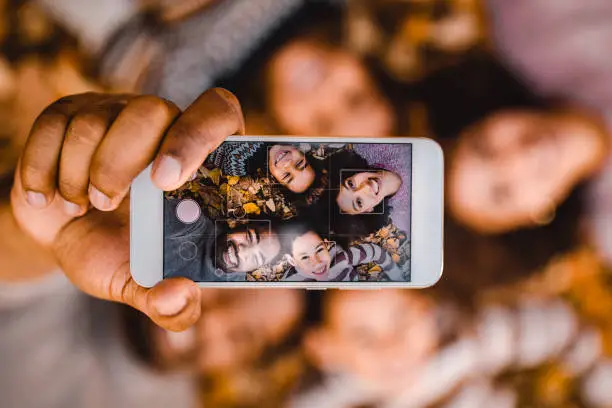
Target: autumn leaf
233,180
375,269
223,189
251,208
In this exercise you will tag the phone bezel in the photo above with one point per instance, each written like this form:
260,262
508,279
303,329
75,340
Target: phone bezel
427,249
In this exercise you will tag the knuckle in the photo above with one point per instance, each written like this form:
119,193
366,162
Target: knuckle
86,128
148,106
228,96
71,189
189,136
106,179
50,122
35,175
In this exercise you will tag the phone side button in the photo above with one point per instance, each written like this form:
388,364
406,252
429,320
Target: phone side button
316,288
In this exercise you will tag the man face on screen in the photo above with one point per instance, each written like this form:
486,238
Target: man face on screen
247,248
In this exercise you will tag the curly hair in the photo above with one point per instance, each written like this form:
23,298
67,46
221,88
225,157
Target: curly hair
347,225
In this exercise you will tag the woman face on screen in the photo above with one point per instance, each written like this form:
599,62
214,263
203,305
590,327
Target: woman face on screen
290,167
361,192
512,169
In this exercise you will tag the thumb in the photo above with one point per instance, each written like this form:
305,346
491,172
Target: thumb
93,251
174,304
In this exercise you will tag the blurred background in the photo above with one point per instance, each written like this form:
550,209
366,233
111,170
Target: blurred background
518,93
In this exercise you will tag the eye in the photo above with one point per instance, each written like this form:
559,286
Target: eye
359,203
320,249
304,258
300,165
285,176
350,184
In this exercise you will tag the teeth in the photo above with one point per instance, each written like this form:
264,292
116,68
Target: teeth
231,254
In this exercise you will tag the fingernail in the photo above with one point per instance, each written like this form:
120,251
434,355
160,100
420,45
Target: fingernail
99,199
168,172
37,200
170,305
72,208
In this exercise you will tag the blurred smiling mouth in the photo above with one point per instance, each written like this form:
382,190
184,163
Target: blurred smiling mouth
281,156
230,256
375,185
320,270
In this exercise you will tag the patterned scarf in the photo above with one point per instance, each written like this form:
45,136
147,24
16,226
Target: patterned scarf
234,158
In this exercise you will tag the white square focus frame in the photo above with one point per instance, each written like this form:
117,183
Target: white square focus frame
426,235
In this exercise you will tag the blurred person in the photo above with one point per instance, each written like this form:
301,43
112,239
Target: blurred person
50,225
541,209
316,89
234,331
563,54
407,350
245,349
513,168
303,82
367,346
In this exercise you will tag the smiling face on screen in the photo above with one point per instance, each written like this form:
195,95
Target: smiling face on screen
290,167
310,256
361,192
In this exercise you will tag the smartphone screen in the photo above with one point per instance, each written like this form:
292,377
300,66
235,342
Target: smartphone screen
293,212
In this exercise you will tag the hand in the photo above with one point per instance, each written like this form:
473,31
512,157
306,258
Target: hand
73,179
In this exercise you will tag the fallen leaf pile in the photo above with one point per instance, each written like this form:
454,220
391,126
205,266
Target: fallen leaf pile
235,198
269,273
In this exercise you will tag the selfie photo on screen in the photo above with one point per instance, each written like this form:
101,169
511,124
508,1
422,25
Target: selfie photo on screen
295,212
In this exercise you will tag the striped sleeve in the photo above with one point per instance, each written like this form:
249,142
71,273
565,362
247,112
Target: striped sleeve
366,253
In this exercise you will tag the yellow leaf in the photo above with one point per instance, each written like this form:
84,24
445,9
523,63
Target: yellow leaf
375,269
233,180
223,189
251,208
215,175
396,258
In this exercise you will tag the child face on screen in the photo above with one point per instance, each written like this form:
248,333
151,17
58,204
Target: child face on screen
322,91
512,169
310,256
290,167
361,192
382,337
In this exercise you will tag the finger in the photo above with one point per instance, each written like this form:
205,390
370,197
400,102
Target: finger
40,159
83,136
127,149
213,117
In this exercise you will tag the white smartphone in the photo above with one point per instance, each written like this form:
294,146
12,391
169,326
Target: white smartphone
304,212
